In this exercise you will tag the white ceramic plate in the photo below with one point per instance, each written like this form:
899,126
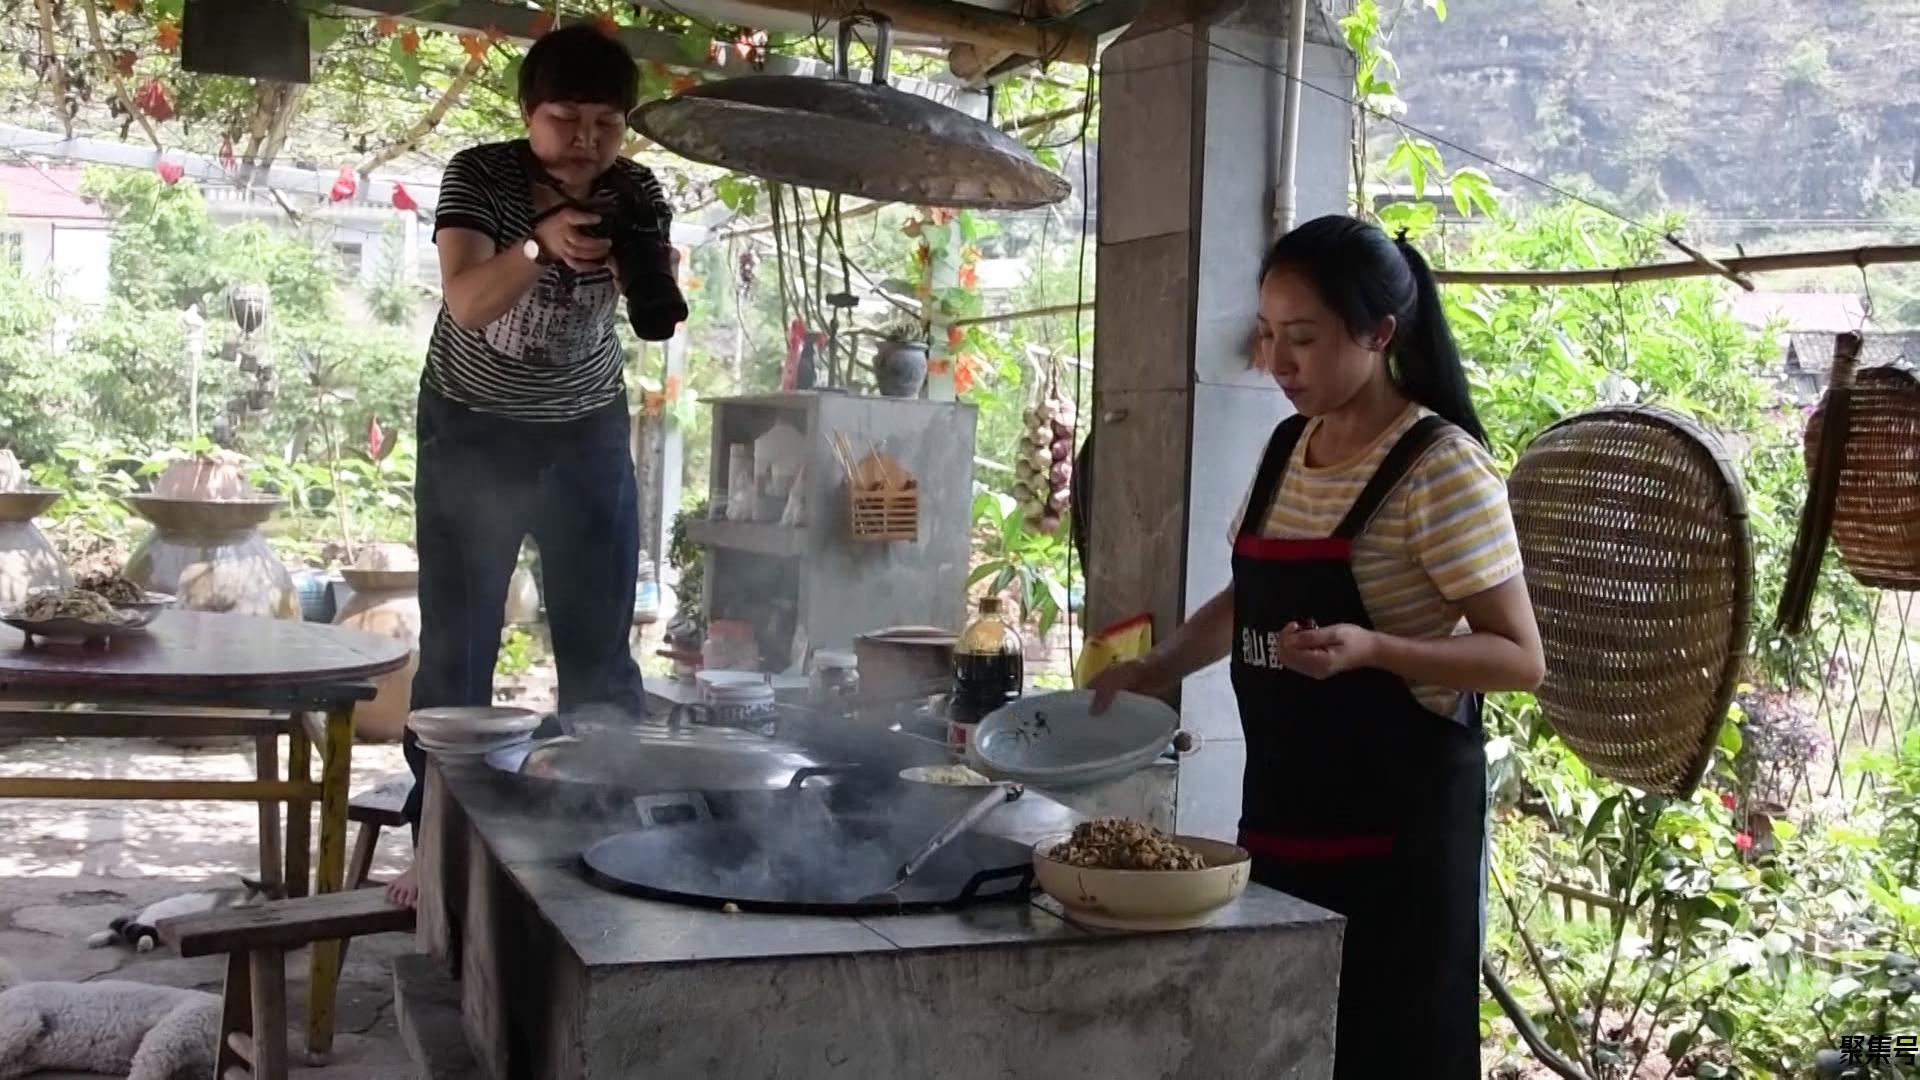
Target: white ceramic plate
474,749
452,727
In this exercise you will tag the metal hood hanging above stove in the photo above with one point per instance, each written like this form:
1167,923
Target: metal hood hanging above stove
853,138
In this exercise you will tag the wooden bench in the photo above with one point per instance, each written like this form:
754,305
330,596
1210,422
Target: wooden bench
256,940
376,808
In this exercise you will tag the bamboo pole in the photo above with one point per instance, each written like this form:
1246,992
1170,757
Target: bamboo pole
983,28
49,44
426,124
861,210
1040,119
952,22
113,76
1017,316
1747,264
1888,255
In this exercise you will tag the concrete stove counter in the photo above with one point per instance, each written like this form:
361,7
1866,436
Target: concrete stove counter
562,979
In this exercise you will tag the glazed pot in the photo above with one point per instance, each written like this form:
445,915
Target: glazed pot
385,603
204,479
210,555
27,561
900,368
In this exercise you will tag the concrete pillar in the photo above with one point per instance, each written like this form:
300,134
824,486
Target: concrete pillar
1190,110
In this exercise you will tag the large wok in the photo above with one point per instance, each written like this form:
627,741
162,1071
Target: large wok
687,759
810,863
726,818
639,774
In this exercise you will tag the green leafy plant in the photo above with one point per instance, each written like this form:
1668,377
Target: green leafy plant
688,560
1025,563
517,649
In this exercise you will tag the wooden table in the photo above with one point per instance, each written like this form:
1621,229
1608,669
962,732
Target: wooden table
267,678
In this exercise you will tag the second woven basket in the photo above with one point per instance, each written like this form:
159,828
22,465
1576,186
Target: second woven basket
1633,527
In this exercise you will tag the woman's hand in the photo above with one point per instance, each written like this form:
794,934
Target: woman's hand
563,236
1131,677
1324,651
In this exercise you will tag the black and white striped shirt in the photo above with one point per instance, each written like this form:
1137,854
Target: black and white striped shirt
554,355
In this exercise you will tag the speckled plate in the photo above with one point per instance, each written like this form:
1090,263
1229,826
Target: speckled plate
69,629
1055,741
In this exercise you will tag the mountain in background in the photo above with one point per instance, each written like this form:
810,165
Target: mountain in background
1785,111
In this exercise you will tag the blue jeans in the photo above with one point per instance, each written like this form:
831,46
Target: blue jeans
483,484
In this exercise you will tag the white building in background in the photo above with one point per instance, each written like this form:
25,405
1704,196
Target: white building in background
46,227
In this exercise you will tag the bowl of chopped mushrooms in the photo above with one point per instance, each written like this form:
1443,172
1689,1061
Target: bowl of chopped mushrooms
1121,874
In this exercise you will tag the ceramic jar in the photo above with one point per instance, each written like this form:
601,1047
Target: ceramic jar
27,561
385,602
206,549
900,368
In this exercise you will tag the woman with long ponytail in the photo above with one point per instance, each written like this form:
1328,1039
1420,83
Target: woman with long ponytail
1377,594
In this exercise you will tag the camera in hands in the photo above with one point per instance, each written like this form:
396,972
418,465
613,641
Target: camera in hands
645,255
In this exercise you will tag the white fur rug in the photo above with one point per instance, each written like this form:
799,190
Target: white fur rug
135,1030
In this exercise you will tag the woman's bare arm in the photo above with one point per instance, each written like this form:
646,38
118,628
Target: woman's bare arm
480,282
1200,641
1501,651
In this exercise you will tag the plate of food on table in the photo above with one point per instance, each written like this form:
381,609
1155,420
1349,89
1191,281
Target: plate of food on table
100,608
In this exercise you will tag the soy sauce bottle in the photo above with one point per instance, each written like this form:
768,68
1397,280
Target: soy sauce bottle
989,668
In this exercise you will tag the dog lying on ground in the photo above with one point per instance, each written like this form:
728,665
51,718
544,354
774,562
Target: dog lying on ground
129,1029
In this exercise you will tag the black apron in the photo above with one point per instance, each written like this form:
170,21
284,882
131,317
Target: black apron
1360,799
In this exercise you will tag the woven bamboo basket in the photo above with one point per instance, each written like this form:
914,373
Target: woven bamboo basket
883,497
882,516
1876,483
1633,527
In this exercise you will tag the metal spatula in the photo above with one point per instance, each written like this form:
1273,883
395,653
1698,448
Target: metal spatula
984,805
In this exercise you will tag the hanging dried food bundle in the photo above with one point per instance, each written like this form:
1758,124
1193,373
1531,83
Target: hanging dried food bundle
1044,467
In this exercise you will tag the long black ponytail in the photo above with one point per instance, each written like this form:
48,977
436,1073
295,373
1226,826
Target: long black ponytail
1365,276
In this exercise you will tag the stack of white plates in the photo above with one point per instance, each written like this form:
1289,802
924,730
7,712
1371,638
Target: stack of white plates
471,732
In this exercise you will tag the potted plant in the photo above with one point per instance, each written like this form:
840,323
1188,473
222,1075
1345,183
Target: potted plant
900,360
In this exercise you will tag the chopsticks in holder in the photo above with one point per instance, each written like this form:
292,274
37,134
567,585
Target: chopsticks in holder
876,472
843,451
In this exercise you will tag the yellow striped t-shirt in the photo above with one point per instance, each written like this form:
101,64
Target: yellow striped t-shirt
1444,533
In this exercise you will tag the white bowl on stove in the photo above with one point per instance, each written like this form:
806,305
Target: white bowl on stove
1055,741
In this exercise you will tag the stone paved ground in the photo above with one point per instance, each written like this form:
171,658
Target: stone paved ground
67,868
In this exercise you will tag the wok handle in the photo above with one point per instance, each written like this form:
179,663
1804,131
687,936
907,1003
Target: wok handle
652,808
987,877
984,805
811,772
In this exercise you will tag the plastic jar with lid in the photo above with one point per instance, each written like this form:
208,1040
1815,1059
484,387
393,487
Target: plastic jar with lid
835,677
